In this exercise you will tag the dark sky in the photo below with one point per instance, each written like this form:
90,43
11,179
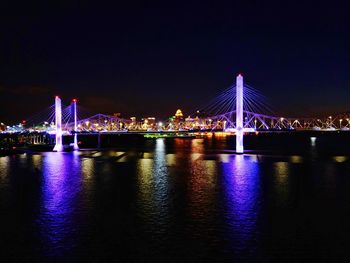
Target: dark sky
150,58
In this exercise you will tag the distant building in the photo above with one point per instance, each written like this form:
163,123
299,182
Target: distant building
149,123
178,115
2,127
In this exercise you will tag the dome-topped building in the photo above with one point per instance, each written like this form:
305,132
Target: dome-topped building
178,114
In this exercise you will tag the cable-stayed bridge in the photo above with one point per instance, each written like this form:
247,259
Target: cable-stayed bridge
239,109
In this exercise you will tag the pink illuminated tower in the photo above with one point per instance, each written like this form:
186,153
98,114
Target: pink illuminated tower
239,114
58,116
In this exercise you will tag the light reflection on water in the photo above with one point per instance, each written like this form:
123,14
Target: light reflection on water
153,189
61,186
88,171
241,183
181,199
4,169
201,186
37,161
281,184
201,190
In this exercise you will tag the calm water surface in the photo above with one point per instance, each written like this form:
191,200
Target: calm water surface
175,200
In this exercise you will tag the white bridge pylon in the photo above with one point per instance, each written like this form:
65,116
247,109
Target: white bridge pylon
58,122
239,114
58,125
75,143
239,126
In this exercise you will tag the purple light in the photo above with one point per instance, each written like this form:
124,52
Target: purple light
239,114
242,196
61,185
58,119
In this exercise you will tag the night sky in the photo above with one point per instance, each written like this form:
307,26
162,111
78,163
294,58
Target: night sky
150,58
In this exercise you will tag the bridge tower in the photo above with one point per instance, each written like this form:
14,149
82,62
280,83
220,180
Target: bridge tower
58,116
74,107
239,114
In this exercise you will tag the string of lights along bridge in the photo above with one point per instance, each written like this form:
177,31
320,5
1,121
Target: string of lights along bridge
237,110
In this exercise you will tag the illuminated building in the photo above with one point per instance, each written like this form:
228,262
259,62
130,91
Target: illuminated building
149,123
178,115
2,127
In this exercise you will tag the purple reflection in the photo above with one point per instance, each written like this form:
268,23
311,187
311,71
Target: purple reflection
58,218
241,194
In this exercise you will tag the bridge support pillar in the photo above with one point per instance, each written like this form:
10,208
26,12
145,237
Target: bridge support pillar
239,114
74,107
58,120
